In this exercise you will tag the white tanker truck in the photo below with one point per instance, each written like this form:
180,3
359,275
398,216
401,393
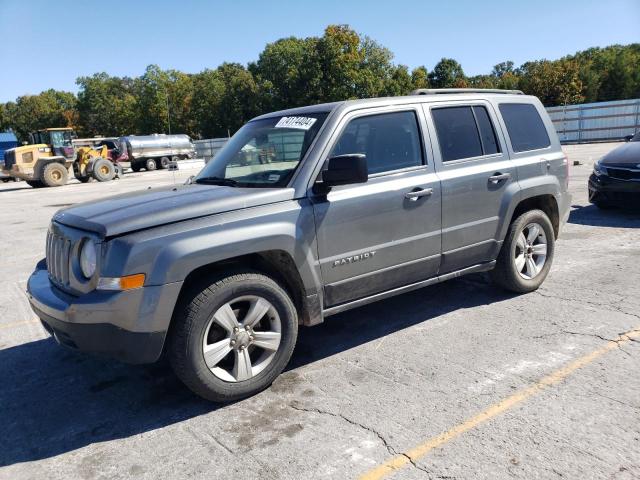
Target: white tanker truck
156,151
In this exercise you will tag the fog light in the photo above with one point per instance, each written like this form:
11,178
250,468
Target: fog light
121,283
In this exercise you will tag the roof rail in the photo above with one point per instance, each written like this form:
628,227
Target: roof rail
442,91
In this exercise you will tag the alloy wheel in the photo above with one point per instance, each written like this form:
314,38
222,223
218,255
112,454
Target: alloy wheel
242,338
531,251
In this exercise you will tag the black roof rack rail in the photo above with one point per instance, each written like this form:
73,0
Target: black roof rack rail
446,91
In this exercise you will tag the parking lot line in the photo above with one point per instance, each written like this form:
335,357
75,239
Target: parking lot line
395,463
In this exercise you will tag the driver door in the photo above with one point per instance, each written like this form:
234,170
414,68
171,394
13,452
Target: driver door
380,235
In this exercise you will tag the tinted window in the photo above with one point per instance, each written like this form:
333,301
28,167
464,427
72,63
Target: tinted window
525,127
487,133
457,133
390,141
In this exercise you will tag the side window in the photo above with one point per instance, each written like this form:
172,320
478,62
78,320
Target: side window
457,133
487,133
525,127
390,141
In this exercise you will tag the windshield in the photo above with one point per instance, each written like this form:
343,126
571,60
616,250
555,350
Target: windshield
263,153
61,138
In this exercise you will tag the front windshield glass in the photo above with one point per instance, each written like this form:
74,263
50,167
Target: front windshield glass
263,153
61,138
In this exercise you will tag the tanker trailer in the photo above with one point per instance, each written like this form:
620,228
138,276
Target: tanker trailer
157,150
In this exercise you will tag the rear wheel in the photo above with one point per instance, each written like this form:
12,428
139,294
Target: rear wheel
232,337
150,165
164,162
527,253
103,170
54,175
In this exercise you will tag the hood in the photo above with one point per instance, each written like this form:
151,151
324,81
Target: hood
627,155
160,206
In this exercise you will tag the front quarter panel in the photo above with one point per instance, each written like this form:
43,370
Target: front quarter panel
168,254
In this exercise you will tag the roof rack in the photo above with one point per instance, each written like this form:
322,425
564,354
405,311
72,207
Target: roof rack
443,91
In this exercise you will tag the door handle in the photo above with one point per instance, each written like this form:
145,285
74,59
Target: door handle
498,177
416,194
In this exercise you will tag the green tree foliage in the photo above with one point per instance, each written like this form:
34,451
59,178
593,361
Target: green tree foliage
341,64
420,78
554,83
106,105
447,74
51,108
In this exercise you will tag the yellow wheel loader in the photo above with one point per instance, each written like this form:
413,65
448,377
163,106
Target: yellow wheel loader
46,161
91,162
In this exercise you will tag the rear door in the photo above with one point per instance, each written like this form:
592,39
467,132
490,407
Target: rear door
475,173
385,233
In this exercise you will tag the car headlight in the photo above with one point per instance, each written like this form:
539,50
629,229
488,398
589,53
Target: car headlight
599,169
88,257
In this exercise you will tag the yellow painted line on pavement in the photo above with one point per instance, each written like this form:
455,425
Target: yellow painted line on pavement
16,324
395,463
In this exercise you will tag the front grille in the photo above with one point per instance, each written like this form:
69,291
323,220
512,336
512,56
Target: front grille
623,173
58,253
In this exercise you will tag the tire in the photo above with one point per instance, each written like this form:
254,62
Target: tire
82,178
119,172
150,165
175,159
136,167
194,325
164,162
54,175
35,183
519,268
103,170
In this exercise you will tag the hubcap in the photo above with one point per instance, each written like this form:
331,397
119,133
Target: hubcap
242,338
531,251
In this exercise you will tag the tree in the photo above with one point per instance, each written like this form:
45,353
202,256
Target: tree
502,69
289,72
554,83
46,110
106,105
447,74
419,78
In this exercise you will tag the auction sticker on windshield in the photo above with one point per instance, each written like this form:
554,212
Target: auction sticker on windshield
302,123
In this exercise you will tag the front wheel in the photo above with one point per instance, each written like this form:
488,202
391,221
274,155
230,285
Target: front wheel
233,337
527,253
103,170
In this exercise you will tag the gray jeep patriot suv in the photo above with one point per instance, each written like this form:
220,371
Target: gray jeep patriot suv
303,214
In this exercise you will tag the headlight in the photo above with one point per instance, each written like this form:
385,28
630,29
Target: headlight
88,258
599,169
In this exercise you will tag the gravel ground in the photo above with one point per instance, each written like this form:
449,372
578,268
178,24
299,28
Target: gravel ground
407,375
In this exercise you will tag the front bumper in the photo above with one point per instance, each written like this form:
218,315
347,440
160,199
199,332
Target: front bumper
611,190
130,326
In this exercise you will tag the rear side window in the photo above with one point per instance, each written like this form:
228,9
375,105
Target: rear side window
391,141
464,132
525,127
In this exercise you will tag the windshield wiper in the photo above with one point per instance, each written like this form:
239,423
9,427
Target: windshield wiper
227,182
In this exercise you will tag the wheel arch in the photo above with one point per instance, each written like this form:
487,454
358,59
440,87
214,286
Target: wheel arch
276,264
546,202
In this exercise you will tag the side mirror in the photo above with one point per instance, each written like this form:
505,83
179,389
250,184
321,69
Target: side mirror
346,170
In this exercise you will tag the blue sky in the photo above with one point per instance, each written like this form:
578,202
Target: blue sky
53,42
